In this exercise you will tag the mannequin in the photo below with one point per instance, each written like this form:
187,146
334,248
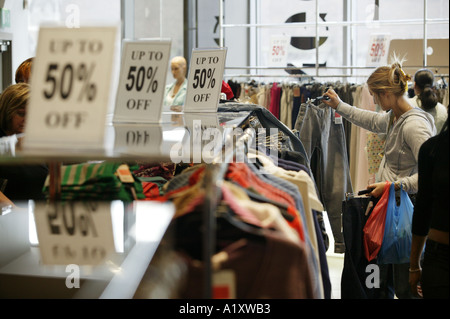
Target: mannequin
175,93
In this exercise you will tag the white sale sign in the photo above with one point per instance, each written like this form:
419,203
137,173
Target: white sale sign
74,232
279,46
378,50
205,80
71,82
142,81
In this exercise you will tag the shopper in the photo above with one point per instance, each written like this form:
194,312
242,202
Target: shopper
430,220
13,102
23,72
406,128
20,182
426,97
175,93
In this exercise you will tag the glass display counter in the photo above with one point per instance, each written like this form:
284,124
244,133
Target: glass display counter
56,249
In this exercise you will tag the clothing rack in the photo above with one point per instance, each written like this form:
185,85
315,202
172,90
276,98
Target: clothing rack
213,177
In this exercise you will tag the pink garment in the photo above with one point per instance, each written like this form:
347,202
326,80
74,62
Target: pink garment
242,212
275,100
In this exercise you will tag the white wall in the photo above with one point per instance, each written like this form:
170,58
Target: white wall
25,22
21,48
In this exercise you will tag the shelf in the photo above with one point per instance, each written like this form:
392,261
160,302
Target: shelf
128,141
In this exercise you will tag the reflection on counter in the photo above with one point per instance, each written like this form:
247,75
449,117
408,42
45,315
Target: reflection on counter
104,247
130,141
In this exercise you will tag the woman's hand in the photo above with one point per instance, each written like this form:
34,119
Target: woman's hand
334,98
377,189
414,282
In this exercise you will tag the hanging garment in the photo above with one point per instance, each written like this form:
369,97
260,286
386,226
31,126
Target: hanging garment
355,213
275,96
272,267
242,175
242,222
323,138
296,102
310,202
286,102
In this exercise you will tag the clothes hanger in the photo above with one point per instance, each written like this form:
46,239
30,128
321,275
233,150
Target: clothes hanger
317,99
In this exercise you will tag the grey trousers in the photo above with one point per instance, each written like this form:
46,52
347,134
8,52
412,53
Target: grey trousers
324,141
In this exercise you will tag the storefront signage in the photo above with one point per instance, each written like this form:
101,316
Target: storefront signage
279,46
378,50
72,79
205,80
142,81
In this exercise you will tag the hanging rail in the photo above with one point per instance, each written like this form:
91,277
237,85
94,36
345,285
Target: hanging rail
212,183
337,23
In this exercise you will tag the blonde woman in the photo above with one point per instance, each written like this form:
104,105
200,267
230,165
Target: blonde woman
406,128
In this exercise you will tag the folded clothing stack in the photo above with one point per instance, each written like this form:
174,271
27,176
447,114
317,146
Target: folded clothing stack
95,181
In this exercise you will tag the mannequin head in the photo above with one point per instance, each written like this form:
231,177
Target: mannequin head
178,66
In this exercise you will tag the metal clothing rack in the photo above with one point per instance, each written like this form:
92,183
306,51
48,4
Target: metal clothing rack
212,182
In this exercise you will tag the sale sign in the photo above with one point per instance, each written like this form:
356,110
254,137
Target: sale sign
279,46
205,80
72,81
142,81
378,49
74,232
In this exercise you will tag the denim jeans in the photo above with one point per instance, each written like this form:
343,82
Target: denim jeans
434,279
324,141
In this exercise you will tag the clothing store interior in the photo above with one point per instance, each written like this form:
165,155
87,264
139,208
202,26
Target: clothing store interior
200,149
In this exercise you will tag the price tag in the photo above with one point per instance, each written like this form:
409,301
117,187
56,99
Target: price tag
205,80
278,50
142,81
378,49
74,232
71,80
